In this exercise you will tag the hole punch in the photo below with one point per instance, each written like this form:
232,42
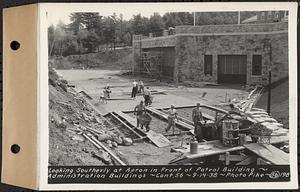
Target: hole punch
15,45
15,148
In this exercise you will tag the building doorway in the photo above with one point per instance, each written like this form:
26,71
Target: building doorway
232,69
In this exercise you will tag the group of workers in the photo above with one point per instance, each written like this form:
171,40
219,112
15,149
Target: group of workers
197,117
141,114
138,87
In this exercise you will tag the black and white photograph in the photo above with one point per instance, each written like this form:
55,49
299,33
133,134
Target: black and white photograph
158,91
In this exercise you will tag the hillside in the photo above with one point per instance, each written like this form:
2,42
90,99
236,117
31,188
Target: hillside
279,102
67,112
119,59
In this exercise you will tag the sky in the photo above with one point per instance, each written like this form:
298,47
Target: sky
62,11
54,18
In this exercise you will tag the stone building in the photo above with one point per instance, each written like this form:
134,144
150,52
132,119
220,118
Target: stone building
240,54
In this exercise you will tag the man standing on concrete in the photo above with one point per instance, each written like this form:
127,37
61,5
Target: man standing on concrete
134,89
172,115
197,118
147,95
107,91
139,110
141,86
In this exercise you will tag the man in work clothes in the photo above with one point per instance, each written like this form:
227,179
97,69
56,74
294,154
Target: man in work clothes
172,115
197,118
139,110
141,86
147,95
134,89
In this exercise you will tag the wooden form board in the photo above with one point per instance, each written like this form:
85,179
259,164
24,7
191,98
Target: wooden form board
20,96
212,148
158,139
216,147
165,116
269,152
128,118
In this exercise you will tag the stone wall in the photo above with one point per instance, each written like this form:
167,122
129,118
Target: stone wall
267,27
192,43
165,41
137,53
190,51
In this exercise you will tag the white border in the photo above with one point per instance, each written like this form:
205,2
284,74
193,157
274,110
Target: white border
172,7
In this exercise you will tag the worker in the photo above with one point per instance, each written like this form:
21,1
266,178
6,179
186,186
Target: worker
197,119
172,116
141,86
234,110
134,89
107,91
139,110
145,121
147,95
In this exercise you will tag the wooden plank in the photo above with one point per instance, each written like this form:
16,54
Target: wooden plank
127,126
247,161
261,161
205,116
86,95
269,153
158,139
210,148
232,157
165,116
128,118
99,145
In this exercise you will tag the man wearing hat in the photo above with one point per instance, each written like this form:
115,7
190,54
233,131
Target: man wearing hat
197,118
172,115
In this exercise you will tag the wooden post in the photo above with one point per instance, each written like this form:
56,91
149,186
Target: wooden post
227,158
269,93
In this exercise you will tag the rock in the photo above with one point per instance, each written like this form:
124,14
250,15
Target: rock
85,150
102,156
78,138
85,117
108,142
127,141
114,144
110,145
118,140
103,137
62,124
63,81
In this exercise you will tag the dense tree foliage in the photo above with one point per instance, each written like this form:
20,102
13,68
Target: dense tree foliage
91,32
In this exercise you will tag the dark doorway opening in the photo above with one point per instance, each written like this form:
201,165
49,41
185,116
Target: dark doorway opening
232,69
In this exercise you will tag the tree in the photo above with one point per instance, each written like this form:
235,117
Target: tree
91,20
91,41
139,25
76,22
156,24
51,33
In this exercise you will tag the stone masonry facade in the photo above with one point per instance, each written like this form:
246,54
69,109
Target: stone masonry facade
192,43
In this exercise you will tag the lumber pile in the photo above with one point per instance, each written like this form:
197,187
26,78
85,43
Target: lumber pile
247,104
